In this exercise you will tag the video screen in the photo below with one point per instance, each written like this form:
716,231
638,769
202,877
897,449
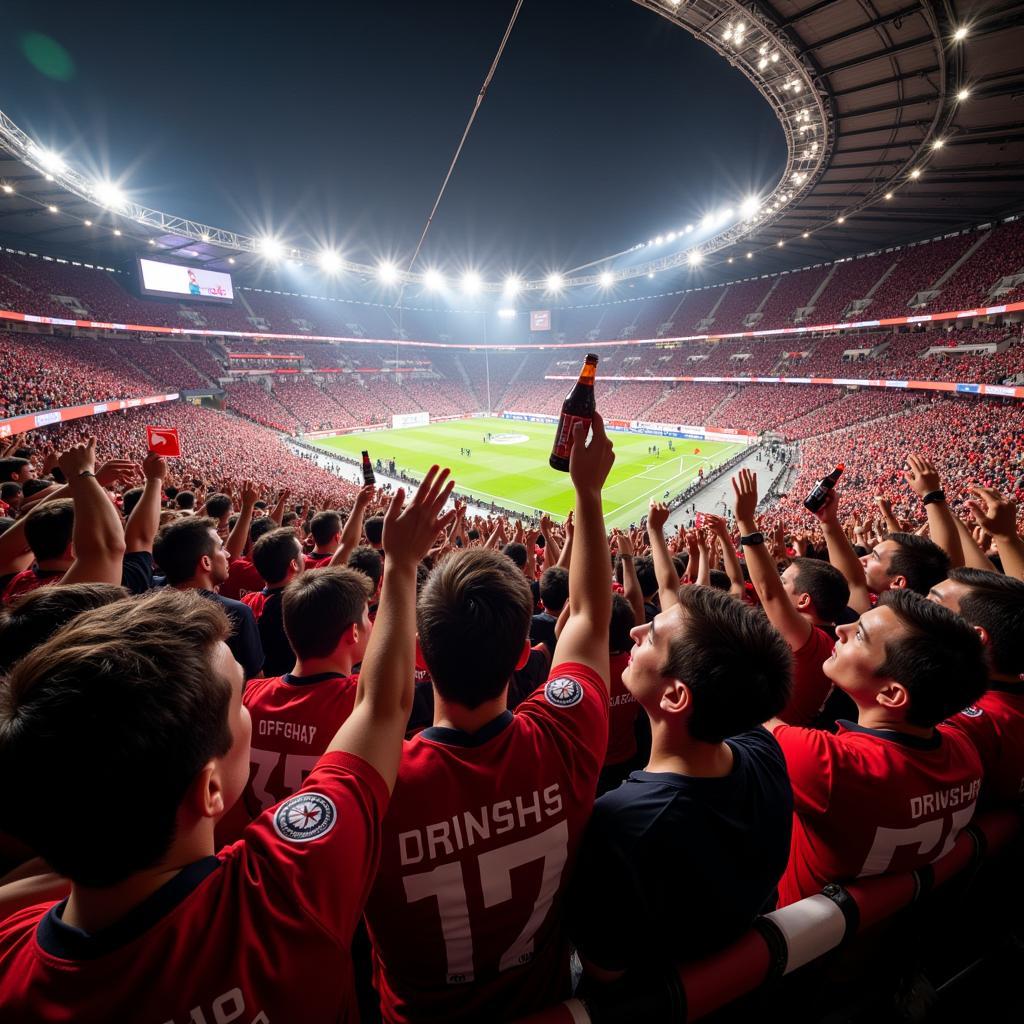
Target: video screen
170,280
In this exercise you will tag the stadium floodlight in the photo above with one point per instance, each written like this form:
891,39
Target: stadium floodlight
271,248
52,208
513,284
915,173
807,234
750,206
387,272
888,195
707,222
659,240
471,283
780,243
87,223
52,162
840,220
938,143
8,189
963,94
670,237
695,257
689,228
724,215
151,242
729,260
108,195
554,282
231,259
330,261
607,279
117,231
750,255
204,237
433,279
960,33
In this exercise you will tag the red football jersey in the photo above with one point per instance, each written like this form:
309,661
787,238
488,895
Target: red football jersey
872,802
995,725
293,720
242,579
260,933
622,715
465,914
811,686
28,580
257,600
316,559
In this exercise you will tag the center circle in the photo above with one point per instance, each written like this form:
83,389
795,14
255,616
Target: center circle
509,439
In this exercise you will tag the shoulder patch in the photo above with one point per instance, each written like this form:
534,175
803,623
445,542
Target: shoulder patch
972,711
563,692
304,817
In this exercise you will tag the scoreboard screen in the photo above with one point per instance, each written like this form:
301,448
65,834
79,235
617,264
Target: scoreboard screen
170,280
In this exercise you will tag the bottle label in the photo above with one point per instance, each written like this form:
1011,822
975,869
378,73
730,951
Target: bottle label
563,439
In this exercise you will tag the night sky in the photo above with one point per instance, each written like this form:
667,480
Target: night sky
604,124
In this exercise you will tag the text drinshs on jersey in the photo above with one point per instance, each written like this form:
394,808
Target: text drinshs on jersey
463,830
958,796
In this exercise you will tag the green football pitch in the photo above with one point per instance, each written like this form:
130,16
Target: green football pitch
512,470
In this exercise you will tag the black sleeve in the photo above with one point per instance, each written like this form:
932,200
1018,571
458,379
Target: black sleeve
245,642
137,571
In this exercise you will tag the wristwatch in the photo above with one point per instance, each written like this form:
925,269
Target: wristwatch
87,472
751,539
932,496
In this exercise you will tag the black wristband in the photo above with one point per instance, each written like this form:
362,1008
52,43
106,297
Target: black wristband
751,539
88,472
931,496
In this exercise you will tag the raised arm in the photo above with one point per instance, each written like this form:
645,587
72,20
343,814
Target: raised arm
892,524
353,531
841,553
235,544
794,627
998,516
703,559
565,556
375,729
585,637
143,523
277,513
720,529
97,537
631,588
974,557
664,567
923,478
552,549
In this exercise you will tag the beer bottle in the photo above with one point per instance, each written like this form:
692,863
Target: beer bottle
578,407
368,477
816,498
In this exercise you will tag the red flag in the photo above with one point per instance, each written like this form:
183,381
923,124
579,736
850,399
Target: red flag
696,451
163,441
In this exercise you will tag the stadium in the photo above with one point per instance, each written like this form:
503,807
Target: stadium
231,360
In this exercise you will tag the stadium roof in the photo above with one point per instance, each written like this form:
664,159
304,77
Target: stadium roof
912,109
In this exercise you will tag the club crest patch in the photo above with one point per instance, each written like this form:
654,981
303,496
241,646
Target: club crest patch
972,712
305,816
563,692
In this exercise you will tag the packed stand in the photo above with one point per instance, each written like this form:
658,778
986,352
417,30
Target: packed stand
1000,255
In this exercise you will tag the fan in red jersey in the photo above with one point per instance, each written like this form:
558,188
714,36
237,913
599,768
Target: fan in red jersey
889,792
490,806
994,605
294,715
157,927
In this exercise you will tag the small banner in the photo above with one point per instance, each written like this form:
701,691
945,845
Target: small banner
163,441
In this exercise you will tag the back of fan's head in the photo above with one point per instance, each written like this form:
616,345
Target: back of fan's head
319,605
734,662
275,553
995,603
48,530
120,708
34,617
473,617
181,544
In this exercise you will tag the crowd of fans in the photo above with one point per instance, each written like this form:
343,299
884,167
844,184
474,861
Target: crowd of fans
374,751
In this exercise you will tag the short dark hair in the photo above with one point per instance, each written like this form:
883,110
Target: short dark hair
921,561
319,605
275,552
185,499
36,485
719,580
181,544
554,588
324,526
11,466
33,618
9,489
996,604
374,529
645,573
824,584
130,499
218,505
622,621
49,528
139,672
735,663
517,552
368,561
473,617
260,527
940,663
